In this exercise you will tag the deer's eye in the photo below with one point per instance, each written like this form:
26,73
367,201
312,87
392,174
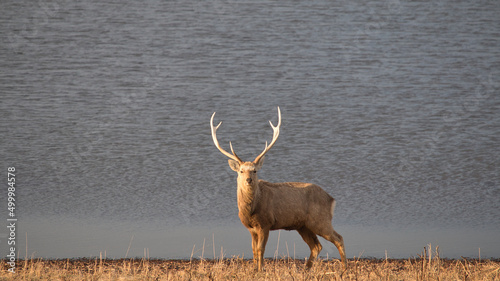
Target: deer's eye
255,172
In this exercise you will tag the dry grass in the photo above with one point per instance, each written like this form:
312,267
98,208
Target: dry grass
240,269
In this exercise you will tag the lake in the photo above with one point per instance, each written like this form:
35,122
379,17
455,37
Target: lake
393,107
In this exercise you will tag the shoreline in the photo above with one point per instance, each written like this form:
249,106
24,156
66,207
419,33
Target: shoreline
418,268
269,259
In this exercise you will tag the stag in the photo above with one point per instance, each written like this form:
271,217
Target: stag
265,206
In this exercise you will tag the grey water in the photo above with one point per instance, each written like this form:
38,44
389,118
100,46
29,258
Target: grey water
393,107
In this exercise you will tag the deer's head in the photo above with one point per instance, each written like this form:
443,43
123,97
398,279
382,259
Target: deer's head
247,171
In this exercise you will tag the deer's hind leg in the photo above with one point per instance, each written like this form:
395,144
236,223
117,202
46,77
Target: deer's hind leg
312,241
331,235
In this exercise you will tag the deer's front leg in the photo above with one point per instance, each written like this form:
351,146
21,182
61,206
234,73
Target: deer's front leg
263,234
255,237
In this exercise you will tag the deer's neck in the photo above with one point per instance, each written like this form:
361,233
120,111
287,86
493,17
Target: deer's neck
247,197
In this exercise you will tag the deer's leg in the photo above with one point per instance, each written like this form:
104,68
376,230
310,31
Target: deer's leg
255,239
312,241
263,234
332,236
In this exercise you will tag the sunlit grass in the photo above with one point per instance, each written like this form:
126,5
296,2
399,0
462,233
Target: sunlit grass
420,268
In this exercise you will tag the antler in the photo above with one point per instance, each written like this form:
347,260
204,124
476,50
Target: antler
214,137
276,132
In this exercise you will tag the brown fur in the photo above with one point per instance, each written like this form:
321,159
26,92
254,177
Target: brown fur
265,206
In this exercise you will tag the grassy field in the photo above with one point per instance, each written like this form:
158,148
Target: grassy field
241,269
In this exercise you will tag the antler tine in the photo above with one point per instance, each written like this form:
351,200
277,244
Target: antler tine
276,132
216,142
234,153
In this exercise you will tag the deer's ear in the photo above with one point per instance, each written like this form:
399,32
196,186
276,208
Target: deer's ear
235,165
258,165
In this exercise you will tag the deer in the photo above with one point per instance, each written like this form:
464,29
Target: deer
265,206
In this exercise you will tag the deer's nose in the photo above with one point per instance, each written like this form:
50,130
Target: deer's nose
249,180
